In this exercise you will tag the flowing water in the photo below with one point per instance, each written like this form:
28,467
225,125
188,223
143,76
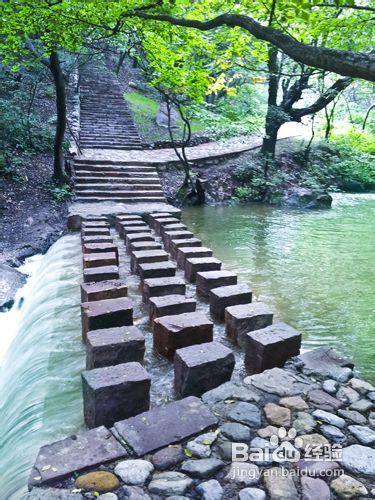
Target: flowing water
315,268
42,357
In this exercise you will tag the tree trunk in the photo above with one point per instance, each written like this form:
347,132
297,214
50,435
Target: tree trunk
270,139
272,126
58,154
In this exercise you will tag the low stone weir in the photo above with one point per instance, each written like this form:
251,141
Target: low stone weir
315,396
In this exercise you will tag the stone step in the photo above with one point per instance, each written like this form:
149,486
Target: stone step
169,305
95,231
103,146
123,199
244,318
181,330
109,289
89,161
207,280
145,245
164,425
134,181
156,270
99,259
168,236
94,223
189,242
159,287
79,187
128,169
187,252
113,346
109,313
146,256
96,239
119,194
125,229
226,296
115,392
175,226
201,368
132,238
193,265
100,274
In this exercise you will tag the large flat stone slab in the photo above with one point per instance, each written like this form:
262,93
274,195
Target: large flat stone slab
165,425
146,256
157,270
200,368
271,347
170,304
108,313
281,382
244,318
115,393
100,247
225,296
157,287
99,259
57,460
208,280
113,346
109,289
184,253
103,273
181,330
194,265
188,242
326,362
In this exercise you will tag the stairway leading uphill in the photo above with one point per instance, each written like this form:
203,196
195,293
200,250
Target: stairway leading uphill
106,123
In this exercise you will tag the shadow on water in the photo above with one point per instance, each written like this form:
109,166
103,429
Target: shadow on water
315,268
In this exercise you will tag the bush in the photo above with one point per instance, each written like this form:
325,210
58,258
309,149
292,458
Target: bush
60,193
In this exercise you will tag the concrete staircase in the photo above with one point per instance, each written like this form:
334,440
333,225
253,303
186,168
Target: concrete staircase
105,118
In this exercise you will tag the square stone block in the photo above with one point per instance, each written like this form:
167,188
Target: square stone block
146,256
226,296
187,252
170,304
110,289
156,270
194,265
270,347
108,313
121,219
99,259
113,346
200,368
114,393
181,330
98,223
168,236
165,425
189,242
245,318
167,228
163,221
156,287
58,460
140,229
132,238
96,239
161,215
95,231
100,274
100,247
92,218
145,245
207,280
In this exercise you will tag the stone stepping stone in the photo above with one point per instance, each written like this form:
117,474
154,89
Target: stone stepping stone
165,425
100,247
119,220
271,347
146,256
157,270
244,318
188,252
125,225
115,393
159,222
113,346
168,236
94,218
181,330
177,226
134,230
145,245
110,289
202,367
194,265
108,313
100,274
95,223
157,287
96,239
189,242
170,304
90,448
153,217
225,296
95,231
132,238
213,279
99,259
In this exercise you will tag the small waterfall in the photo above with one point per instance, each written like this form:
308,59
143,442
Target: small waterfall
40,386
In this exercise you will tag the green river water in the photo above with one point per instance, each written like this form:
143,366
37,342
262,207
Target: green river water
315,268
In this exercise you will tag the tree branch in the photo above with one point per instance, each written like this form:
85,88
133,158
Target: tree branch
343,62
345,6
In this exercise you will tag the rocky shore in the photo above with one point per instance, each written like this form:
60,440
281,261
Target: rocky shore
309,428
